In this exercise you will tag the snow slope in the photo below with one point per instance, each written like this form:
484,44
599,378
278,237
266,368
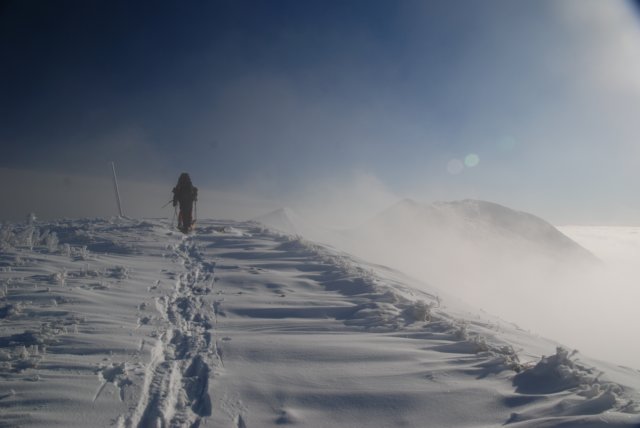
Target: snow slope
494,256
284,220
128,323
493,242
485,228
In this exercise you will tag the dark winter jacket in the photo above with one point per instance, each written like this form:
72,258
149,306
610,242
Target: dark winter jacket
184,193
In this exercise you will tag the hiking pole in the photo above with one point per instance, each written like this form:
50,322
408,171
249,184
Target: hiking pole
195,217
115,185
170,200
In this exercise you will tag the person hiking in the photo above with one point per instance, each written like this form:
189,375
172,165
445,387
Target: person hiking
185,194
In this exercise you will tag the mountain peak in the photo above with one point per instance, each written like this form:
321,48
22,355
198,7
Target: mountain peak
283,219
407,202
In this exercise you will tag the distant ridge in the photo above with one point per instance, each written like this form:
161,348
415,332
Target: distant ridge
480,222
284,220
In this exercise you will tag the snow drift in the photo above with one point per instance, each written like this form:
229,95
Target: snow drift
285,220
510,263
127,323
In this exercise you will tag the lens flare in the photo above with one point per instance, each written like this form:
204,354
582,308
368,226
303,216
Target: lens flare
471,160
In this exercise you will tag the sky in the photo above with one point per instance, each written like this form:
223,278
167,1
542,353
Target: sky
531,104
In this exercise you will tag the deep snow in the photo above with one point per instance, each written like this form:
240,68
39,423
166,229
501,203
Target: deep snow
128,323
573,284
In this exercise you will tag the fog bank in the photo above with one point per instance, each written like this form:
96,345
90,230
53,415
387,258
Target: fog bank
509,263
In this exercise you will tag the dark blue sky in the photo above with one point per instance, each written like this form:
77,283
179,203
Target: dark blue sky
84,72
279,95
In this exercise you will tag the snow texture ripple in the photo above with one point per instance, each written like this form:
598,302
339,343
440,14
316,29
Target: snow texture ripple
127,323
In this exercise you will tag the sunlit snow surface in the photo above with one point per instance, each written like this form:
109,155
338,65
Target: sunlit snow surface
128,323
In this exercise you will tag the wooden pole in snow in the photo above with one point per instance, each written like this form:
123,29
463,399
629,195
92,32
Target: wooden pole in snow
115,185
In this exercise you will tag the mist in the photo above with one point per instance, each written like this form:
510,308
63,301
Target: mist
604,298
575,285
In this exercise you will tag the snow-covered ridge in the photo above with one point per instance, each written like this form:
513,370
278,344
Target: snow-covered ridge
492,256
284,220
127,323
482,222
480,228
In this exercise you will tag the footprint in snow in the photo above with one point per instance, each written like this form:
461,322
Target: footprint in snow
115,373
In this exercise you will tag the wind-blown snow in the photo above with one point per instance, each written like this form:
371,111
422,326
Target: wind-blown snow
284,220
128,323
483,234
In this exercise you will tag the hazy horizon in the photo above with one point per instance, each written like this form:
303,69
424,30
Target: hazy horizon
336,204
